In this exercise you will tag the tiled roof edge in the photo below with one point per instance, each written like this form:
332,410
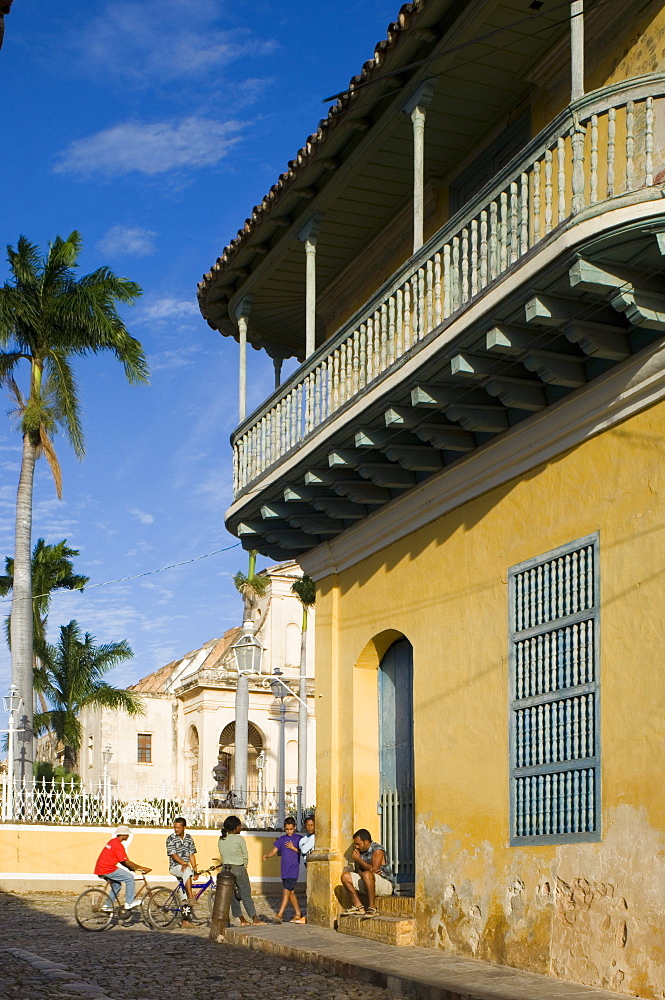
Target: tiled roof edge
310,149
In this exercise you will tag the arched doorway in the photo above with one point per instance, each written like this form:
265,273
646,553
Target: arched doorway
227,754
396,772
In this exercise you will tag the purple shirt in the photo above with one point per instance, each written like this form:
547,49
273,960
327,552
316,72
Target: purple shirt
290,864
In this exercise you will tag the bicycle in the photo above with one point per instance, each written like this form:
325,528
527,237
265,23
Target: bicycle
96,908
163,908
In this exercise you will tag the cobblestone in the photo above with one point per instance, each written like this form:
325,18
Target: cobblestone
51,958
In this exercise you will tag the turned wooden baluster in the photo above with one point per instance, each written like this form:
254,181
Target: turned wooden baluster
561,177
407,315
465,265
399,323
514,235
611,145
447,282
429,287
630,145
577,134
456,274
535,236
355,378
524,213
503,233
384,336
648,142
474,257
593,161
483,270
548,191
438,305
494,241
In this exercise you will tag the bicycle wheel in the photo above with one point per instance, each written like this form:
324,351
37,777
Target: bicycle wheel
88,910
162,909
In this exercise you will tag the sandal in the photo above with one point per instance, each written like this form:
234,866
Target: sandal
299,920
353,911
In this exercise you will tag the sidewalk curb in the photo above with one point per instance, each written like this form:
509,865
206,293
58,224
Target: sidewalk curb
424,974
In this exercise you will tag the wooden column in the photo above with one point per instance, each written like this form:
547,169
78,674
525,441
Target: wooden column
242,312
415,108
576,50
309,235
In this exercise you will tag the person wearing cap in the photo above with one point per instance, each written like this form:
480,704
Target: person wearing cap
114,865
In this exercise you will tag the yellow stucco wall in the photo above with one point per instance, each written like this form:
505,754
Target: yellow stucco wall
591,912
63,857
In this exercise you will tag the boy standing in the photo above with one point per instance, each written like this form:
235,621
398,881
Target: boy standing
287,847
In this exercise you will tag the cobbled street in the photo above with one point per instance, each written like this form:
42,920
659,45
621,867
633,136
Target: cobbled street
135,963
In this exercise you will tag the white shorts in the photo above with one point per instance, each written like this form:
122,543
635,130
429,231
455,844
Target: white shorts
382,887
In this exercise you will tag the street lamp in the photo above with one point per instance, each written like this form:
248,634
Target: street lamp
247,652
281,691
107,753
12,701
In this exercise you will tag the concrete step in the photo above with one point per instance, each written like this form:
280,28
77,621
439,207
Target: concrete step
396,906
395,930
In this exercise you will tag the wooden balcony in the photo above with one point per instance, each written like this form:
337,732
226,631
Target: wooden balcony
545,280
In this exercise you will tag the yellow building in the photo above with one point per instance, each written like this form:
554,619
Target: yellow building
467,260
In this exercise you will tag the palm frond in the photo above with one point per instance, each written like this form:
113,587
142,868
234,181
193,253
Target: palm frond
305,591
52,459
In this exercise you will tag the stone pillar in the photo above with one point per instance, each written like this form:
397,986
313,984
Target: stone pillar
309,235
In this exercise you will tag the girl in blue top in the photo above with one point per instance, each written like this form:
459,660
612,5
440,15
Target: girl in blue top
287,847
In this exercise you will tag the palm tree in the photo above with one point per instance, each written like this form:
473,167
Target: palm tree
252,587
305,591
48,316
51,569
71,678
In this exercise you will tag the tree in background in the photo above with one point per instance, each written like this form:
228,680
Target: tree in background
70,676
251,587
51,569
48,317
305,591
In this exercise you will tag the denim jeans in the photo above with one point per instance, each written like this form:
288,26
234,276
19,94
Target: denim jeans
242,879
127,878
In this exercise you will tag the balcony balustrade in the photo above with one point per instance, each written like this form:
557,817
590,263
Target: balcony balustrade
598,151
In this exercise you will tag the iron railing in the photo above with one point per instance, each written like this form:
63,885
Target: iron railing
67,801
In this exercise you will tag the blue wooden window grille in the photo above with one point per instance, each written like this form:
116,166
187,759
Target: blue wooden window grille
554,707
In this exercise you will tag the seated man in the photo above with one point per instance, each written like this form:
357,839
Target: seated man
373,875
181,851
114,866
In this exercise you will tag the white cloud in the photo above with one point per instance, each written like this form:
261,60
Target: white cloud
131,241
164,40
150,148
141,515
167,307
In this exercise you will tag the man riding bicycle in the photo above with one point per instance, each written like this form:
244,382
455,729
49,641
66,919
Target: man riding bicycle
114,866
181,851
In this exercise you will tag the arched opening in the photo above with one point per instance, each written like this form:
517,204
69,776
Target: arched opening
225,770
192,755
396,771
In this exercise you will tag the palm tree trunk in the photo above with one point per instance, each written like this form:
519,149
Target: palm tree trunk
302,717
21,615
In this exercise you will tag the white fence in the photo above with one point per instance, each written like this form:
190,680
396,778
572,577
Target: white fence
62,801
605,146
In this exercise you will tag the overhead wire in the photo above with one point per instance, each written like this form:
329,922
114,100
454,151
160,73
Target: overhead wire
135,576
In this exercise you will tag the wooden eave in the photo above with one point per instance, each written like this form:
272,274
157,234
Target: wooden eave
362,178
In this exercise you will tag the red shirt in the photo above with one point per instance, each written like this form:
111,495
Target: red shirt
113,854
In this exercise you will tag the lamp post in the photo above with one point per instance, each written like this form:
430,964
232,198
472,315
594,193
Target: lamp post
107,753
247,651
281,691
12,701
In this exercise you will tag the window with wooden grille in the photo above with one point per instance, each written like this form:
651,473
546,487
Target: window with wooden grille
554,717
144,748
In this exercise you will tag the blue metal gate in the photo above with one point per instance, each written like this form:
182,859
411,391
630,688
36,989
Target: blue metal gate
396,758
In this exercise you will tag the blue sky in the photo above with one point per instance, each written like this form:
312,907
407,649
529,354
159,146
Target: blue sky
153,127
